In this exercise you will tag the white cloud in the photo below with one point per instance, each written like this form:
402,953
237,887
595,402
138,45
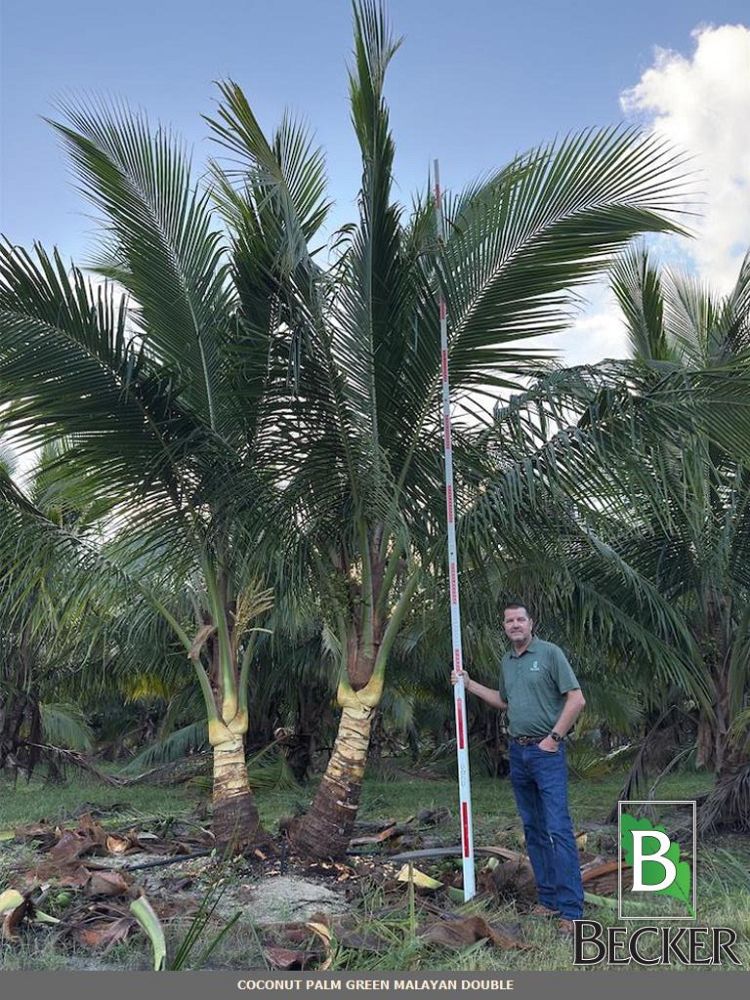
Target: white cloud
701,103
598,333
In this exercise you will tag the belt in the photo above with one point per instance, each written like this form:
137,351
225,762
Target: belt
526,741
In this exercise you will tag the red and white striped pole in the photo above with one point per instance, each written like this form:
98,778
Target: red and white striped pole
459,694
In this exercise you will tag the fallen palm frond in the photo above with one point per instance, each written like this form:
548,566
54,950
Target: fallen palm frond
408,828
173,748
78,760
384,935
168,773
100,905
89,839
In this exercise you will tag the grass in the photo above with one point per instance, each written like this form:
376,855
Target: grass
492,799
493,806
724,879
29,802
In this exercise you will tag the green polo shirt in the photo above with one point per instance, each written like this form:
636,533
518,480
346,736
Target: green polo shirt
534,686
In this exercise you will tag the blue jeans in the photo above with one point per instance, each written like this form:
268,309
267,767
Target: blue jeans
540,785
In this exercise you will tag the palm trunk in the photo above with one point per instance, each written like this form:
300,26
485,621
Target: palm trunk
713,732
727,805
236,823
16,719
326,828
722,749
705,742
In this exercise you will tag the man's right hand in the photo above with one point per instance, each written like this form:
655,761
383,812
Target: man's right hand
455,674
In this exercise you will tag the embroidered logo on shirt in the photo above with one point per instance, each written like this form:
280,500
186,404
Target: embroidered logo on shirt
535,665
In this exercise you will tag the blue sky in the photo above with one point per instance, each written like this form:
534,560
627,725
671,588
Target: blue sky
474,82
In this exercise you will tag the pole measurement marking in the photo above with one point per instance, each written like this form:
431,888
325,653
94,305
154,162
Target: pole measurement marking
466,839
459,693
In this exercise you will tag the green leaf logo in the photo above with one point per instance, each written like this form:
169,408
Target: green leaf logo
646,852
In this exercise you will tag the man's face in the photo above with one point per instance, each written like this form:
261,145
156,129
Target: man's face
517,624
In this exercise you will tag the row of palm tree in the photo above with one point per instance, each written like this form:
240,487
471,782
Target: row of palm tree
249,435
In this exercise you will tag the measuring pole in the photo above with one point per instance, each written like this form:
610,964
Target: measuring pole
459,693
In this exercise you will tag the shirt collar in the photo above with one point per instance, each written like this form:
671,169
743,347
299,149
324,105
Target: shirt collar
532,647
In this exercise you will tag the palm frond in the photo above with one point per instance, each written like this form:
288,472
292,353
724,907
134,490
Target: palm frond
172,748
288,172
65,725
166,250
637,287
522,244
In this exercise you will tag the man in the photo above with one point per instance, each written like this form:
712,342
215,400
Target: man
543,698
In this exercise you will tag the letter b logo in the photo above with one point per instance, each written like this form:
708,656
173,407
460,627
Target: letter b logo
652,863
644,863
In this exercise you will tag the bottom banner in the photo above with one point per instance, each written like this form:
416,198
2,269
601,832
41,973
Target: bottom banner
584,985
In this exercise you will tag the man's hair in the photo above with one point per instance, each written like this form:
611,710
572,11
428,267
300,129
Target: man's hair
518,604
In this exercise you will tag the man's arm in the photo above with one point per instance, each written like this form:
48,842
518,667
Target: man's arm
574,703
490,695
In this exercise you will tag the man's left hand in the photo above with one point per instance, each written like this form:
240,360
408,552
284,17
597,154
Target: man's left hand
548,745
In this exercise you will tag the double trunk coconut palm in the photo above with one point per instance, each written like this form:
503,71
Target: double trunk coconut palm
360,455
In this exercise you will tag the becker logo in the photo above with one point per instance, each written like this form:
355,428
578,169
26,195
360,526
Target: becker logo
652,866
656,882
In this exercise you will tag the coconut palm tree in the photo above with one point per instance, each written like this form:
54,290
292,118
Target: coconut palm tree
162,418
362,463
696,552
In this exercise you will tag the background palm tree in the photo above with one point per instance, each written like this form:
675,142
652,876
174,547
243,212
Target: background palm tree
39,705
695,548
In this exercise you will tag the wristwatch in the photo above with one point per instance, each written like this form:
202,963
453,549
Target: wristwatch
556,737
